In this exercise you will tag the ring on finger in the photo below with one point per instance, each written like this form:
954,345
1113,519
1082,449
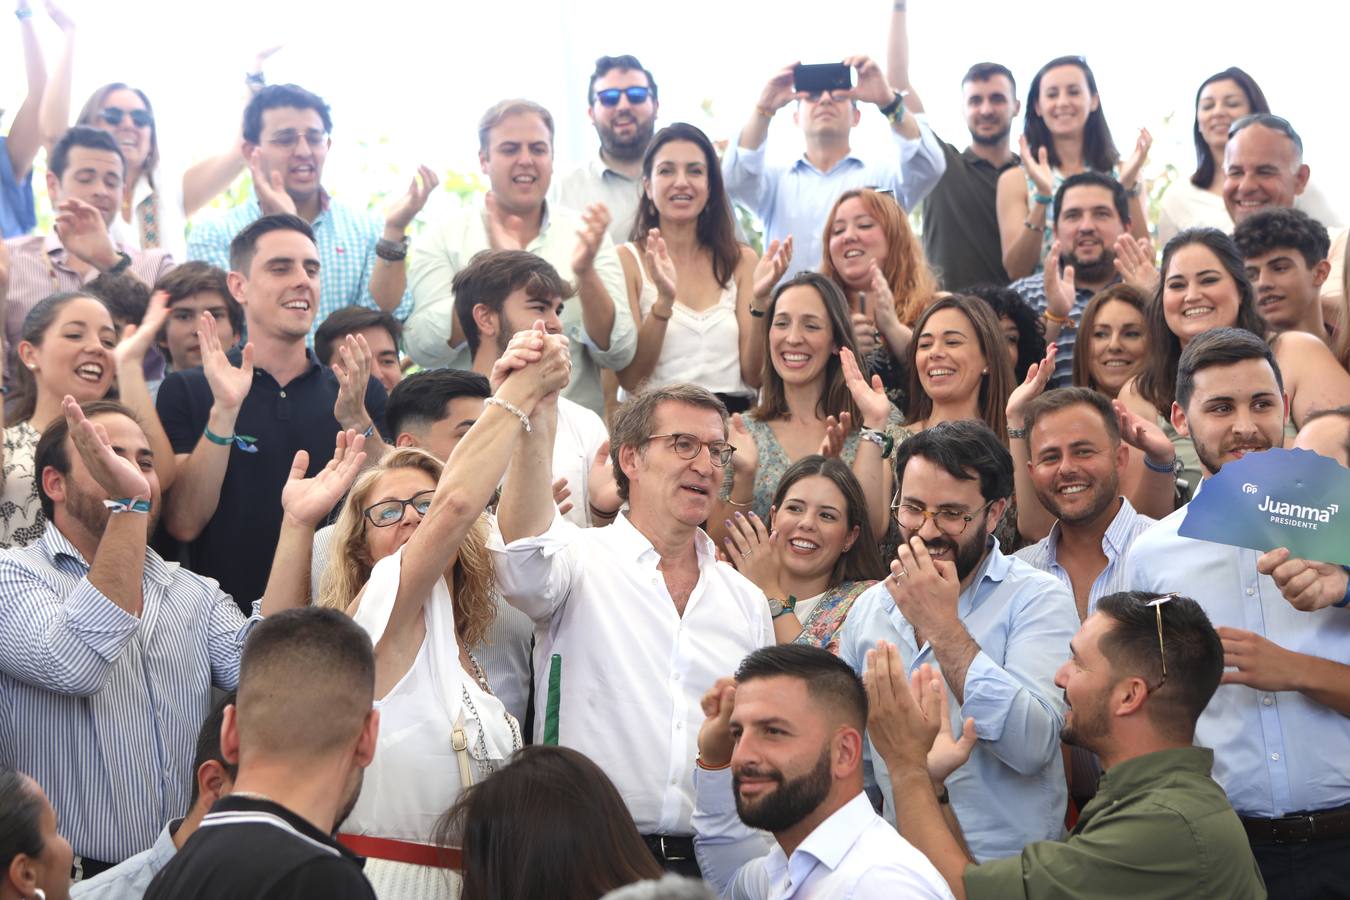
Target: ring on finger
745,553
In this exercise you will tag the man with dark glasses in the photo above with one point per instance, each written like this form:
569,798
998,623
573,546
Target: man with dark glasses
622,105
992,624
1280,722
636,619
1140,672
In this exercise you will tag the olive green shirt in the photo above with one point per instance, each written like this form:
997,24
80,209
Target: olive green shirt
1159,827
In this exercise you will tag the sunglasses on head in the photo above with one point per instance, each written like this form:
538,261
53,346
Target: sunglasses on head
610,96
139,117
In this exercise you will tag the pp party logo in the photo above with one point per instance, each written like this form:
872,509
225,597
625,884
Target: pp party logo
1278,498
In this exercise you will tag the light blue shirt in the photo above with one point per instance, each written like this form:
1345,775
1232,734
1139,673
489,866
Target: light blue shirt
1274,753
100,707
1011,792
1120,534
795,199
129,879
344,235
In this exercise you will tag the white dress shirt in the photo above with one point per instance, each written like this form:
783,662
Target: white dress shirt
441,251
632,670
1275,753
595,182
852,855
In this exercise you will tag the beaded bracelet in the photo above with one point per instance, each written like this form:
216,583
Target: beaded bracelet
513,410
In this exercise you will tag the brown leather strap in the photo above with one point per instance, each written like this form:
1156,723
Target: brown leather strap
1299,828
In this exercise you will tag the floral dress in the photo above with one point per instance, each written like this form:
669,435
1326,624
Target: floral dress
21,518
821,628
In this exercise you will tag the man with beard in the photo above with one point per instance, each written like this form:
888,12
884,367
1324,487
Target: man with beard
1286,697
960,221
1092,210
499,293
515,140
784,739
622,105
1140,672
301,753
991,623
110,653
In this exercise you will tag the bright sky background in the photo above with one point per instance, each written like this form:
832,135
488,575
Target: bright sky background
416,75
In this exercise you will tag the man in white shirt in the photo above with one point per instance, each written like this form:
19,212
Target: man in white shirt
622,100
782,750
516,152
632,621
499,293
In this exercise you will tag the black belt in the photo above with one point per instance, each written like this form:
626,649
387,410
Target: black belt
83,868
1299,828
670,847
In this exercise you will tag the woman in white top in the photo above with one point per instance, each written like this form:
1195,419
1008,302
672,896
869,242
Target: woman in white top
410,565
159,195
1197,201
691,284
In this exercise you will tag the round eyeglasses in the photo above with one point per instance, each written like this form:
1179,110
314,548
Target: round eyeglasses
949,521
687,446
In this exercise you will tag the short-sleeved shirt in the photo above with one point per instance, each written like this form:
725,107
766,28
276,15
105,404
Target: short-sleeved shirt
344,235
237,544
960,221
18,216
250,847
1159,828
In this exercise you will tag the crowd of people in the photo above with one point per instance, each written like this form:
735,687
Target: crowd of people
576,548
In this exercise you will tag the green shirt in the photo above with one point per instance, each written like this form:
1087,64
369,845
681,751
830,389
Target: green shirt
1159,827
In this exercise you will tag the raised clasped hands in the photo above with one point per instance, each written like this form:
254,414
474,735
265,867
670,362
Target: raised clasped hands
536,356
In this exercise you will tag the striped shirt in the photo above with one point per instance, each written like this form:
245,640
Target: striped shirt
344,235
39,267
100,707
1120,534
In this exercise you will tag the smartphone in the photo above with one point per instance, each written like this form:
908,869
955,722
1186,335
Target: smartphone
815,79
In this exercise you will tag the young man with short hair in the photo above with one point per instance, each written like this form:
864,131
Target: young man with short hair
622,105
1287,696
195,288
300,752
236,423
515,139
782,750
287,136
1140,671
1286,255
381,332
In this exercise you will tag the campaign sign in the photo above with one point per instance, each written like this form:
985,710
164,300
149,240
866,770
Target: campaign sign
1278,498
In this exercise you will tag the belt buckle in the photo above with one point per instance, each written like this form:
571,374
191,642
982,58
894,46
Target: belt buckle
669,855
1300,829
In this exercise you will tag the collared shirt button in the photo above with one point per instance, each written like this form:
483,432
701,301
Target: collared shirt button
1275,757
283,397
1251,591
679,726
1267,700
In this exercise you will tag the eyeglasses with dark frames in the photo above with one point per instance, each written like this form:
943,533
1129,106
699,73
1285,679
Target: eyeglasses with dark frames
1157,604
948,521
636,95
687,446
113,115
391,512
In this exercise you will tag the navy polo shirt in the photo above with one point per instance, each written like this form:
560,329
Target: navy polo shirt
237,545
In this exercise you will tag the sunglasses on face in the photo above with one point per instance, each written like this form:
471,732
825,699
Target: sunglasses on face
139,117
635,95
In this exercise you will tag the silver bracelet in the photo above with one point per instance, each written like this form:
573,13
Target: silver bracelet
513,410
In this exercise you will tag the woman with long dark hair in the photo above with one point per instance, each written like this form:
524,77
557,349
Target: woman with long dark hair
1064,132
1204,285
34,859
1197,201
691,284
549,826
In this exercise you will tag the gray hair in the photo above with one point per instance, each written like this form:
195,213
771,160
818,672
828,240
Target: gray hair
633,422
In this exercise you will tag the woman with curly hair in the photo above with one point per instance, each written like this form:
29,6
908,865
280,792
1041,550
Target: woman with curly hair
1022,327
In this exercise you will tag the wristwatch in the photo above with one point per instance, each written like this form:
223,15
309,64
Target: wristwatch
393,251
895,110
123,263
779,607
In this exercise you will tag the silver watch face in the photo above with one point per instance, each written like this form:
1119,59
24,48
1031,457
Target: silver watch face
775,607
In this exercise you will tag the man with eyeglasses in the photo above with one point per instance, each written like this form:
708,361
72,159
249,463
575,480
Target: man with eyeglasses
793,200
1281,717
635,620
286,141
992,624
622,105
1140,671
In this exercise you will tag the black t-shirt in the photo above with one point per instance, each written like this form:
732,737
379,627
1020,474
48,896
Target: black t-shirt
238,543
960,222
248,847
